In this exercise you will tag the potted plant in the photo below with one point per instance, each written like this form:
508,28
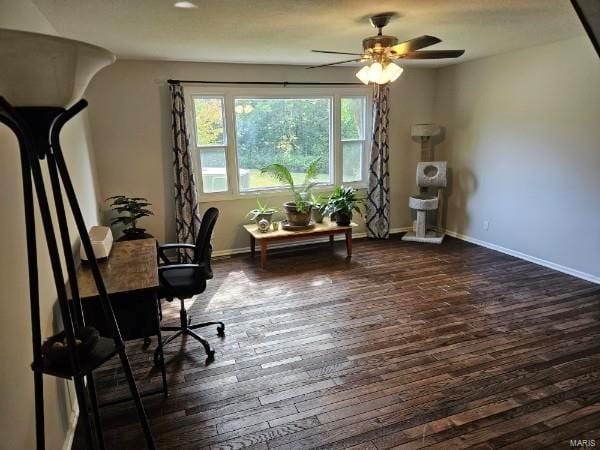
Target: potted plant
298,211
342,202
318,206
261,212
131,209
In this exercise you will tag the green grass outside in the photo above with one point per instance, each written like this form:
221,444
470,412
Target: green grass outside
258,180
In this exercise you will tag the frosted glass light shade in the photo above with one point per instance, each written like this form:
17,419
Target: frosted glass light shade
376,73
363,74
393,71
383,78
42,70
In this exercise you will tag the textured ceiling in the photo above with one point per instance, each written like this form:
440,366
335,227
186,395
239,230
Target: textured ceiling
284,31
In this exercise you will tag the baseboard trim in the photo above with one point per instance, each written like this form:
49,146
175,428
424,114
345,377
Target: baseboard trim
542,262
276,245
71,431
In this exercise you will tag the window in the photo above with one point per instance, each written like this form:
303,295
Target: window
211,141
353,138
289,131
239,131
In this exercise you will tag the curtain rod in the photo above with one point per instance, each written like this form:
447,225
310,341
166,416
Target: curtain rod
278,83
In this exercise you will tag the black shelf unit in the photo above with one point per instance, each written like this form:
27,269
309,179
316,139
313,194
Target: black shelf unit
104,350
37,130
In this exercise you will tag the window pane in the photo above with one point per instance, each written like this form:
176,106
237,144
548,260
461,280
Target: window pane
352,118
352,161
290,131
210,125
214,170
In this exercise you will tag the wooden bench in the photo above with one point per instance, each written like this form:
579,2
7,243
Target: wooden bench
320,229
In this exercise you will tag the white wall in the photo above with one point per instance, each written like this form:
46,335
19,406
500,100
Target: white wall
129,108
16,381
523,143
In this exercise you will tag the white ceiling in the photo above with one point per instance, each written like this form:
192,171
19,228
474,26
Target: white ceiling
284,31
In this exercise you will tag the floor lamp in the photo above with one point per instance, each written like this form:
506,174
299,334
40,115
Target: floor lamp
42,81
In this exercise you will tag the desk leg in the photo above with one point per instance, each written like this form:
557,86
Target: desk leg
252,246
349,243
263,253
331,236
160,348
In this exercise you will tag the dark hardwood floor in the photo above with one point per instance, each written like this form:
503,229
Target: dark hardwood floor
404,346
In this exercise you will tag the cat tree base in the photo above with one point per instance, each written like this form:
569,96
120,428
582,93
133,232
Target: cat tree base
430,237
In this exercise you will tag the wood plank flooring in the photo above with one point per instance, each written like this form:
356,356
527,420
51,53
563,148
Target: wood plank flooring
404,346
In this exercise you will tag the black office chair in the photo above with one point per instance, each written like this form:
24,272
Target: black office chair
186,280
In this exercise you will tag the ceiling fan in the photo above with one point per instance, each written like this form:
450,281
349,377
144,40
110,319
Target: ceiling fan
380,51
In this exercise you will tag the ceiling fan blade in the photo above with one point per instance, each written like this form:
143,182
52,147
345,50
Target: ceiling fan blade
433,54
336,53
334,63
414,44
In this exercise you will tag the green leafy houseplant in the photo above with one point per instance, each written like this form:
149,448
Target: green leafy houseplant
130,210
261,212
298,211
342,203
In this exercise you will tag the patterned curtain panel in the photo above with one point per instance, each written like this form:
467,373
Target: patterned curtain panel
187,214
378,198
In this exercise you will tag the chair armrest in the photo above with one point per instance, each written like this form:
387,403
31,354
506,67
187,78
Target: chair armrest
161,251
167,246
179,266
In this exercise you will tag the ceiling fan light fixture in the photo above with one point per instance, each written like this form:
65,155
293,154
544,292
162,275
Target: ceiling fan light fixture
376,73
363,75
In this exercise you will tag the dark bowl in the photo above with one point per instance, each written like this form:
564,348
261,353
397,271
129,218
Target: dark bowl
55,351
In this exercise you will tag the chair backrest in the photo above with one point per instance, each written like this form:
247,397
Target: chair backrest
203,247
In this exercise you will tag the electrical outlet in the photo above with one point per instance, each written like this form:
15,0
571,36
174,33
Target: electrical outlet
486,225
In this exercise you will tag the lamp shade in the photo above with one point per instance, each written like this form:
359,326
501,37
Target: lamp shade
393,71
363,75
375,71
42,70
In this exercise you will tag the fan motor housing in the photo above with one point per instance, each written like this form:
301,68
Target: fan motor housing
379,42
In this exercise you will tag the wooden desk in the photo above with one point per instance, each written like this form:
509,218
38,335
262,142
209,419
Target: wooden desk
320,229
130,275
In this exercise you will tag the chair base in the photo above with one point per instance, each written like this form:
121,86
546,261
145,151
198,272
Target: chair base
186,328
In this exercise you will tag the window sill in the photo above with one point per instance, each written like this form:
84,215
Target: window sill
268,193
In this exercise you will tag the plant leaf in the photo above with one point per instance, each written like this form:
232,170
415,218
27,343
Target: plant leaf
280,173
311,172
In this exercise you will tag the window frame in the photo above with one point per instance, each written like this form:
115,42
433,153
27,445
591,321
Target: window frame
230,93
197,157
364,140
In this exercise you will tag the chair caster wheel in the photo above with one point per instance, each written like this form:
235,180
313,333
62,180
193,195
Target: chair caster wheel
210,358
221,331
156,357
